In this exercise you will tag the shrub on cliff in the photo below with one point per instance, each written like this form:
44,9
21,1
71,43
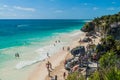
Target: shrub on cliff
111,73
75,76
88,27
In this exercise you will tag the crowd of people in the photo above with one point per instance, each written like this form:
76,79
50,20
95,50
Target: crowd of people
49,64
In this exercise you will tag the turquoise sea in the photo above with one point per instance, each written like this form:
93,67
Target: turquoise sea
32,39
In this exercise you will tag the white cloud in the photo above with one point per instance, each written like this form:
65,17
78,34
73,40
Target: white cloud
5,6
14,15
95,8
111,8
7,14
58,11
113,2
24,8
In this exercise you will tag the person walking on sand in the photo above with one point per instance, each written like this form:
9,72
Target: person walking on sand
50,65
48,68
56,77
63,48
68,48
64,75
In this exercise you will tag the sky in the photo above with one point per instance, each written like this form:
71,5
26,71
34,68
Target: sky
57,9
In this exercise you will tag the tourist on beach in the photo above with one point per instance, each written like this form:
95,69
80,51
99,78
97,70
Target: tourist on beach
55,41
48,68
80,40
64,75
63,48
68,48
48,55
52,78
55,77
50,65
17,55
59,41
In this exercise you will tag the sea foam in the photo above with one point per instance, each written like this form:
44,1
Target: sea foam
42,54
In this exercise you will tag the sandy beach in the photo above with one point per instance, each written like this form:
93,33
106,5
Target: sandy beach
59,40
40,72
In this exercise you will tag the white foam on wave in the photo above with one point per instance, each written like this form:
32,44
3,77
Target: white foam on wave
22,25
51,49
42,54
75,33
23,64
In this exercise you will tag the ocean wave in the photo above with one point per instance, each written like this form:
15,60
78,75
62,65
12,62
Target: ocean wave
22,25
42,54
23,64
87,20
75,33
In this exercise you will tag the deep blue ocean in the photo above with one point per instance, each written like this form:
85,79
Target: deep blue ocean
20,32
23,35
32,39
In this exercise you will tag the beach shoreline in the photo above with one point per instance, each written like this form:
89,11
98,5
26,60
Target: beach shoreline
40,72
60,69
26,70
57,60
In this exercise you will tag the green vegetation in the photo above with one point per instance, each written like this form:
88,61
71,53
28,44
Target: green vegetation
107,60
75,76
105,25
111,73
108,49
86,27
96,76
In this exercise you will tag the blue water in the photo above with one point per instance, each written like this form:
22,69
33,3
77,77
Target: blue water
18,32
28,36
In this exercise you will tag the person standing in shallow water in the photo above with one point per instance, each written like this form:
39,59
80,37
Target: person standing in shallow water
17,55
55,41
48,55
59,41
